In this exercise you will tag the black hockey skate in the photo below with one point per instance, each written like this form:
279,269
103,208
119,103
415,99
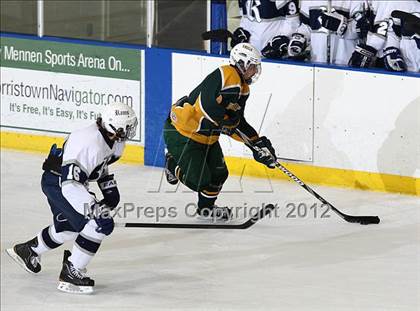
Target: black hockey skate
73,280
25,256
170,178
215,213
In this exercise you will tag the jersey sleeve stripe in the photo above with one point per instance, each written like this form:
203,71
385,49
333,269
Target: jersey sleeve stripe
67,162
199,124
223,76
231,87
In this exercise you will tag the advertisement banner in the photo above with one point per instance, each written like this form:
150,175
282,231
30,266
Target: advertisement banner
58,87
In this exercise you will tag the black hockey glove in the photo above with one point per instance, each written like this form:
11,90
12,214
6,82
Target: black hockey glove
230,122
393,60
264,152
334,22
240,35
102,216
297,46
108,186
363,56
276,48
363,24
54,160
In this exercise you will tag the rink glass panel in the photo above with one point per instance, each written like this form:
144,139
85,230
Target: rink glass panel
233,14
179,24
19,16
115,21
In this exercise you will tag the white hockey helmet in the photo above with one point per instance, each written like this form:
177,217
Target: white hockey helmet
242,56
120,119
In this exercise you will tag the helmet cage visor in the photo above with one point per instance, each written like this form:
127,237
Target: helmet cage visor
124,134
244,68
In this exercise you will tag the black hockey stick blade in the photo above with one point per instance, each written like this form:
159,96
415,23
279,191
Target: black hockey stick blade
363,220
219,35
264,211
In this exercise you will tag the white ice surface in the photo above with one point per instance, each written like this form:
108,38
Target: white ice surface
279,264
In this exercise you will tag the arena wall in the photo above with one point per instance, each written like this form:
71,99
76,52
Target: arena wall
352,128
335,126
52,87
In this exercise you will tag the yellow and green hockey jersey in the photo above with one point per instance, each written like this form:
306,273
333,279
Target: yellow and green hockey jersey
219,97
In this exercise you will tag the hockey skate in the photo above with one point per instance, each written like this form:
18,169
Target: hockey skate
215,213
73,280
24,255
170,178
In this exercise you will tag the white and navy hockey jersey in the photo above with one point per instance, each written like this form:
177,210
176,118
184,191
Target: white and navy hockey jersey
408,46
265,19
322,42
382,34
86,155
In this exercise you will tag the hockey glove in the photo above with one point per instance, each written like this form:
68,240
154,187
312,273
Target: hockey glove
102,216
229,123
276,48
393,60
54,160
264,152
108,186
363,56
240,35
297,45
334,22
363,25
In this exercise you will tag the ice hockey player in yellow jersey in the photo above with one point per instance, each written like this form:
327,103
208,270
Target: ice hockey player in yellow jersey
216,106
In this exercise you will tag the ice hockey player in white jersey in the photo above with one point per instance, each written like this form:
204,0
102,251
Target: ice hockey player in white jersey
263,19
77,215
331,29
410,40
382,48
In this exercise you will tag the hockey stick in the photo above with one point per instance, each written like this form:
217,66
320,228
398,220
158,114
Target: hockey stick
218,35
264,211
363,220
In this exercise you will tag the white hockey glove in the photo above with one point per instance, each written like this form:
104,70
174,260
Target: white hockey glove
393,60
334,22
